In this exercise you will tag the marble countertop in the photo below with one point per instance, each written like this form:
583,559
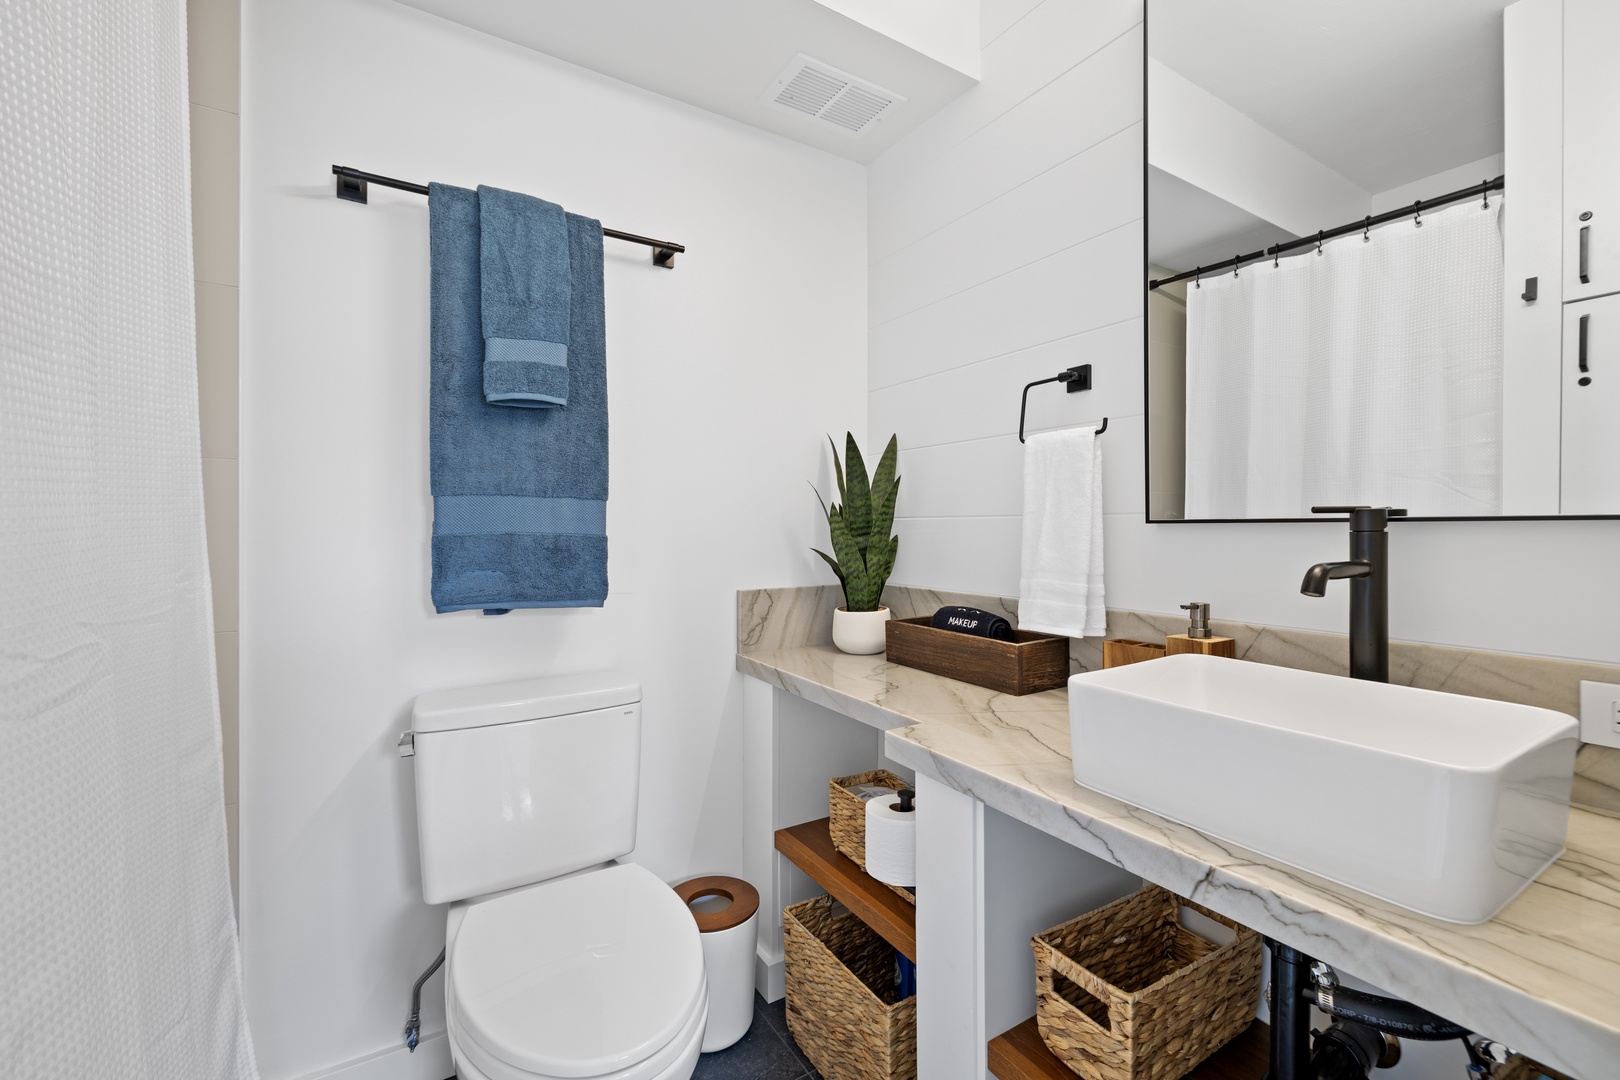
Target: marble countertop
1543,976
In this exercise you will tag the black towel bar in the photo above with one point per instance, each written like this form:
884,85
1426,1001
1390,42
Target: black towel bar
1076,380
352,184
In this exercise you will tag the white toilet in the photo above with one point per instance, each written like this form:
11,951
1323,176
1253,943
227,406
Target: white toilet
559,961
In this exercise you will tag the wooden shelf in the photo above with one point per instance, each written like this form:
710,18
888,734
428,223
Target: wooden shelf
1020,1054
810,848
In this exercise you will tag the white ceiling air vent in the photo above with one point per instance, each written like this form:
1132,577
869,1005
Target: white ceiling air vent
829,96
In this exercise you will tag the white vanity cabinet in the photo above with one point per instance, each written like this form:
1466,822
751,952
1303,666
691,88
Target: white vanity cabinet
1591,407
1589,381
1562,159
1591,124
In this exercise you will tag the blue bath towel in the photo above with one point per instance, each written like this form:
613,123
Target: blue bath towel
519,495
524,263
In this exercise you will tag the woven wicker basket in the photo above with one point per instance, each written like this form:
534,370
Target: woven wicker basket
847,816
1127,993
841,1004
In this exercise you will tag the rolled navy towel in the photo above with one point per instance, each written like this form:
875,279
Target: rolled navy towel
967,620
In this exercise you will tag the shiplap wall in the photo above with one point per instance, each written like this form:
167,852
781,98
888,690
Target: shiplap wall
1005,244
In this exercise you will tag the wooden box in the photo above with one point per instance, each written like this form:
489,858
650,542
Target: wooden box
1029,665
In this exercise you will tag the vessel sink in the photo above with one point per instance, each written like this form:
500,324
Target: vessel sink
1442,804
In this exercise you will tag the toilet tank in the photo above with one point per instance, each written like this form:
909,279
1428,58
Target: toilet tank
518,782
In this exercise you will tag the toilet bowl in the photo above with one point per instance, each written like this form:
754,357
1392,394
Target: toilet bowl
598,975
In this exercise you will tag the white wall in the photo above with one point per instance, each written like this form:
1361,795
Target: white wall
947,30
213,59
1167,364
1533,247
725,374
1201,139
1004,233
1454,179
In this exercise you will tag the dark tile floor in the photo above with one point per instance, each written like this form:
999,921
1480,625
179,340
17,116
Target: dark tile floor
767,1052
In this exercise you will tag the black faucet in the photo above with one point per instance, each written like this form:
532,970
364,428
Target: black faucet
1367,570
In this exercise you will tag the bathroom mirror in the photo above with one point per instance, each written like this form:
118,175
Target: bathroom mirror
1367,279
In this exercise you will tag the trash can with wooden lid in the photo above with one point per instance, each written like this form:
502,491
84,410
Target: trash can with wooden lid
727,914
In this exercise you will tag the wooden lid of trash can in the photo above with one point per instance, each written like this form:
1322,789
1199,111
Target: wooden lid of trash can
743,896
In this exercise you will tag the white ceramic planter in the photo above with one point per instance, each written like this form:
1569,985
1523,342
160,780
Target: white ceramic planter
859,632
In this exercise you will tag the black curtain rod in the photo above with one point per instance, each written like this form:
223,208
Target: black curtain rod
351,185
1480,190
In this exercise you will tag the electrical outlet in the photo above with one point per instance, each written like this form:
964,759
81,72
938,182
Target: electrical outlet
1600,713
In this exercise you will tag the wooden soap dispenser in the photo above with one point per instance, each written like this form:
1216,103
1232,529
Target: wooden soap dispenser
1199,638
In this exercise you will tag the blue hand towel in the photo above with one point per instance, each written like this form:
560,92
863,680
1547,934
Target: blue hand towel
519,495
525,266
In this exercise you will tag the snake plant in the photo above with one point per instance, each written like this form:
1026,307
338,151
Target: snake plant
860,522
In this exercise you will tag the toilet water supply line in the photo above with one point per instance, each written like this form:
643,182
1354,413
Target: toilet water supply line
413,1024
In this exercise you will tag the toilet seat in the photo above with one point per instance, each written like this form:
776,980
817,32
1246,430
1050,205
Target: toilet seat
675,1062
599,975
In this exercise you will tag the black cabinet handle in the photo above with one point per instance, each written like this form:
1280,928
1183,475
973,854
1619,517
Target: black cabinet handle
1580,354
1586,254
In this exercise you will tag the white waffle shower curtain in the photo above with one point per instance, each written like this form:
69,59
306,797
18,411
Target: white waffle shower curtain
1370,374
117,940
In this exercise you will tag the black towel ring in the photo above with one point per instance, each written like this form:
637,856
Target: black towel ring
1076,380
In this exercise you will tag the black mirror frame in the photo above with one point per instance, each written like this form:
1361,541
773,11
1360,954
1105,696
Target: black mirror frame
1147,412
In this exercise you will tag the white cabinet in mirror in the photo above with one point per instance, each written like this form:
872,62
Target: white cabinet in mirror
1378,270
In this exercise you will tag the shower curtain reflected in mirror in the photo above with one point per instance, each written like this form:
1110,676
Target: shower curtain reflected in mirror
117,938
1369,374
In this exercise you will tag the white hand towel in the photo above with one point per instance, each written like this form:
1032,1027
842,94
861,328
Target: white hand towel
1060,588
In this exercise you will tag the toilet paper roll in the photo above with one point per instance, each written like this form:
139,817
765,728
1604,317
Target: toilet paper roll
891,841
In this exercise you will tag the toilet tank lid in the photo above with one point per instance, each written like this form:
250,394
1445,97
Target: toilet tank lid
523,699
